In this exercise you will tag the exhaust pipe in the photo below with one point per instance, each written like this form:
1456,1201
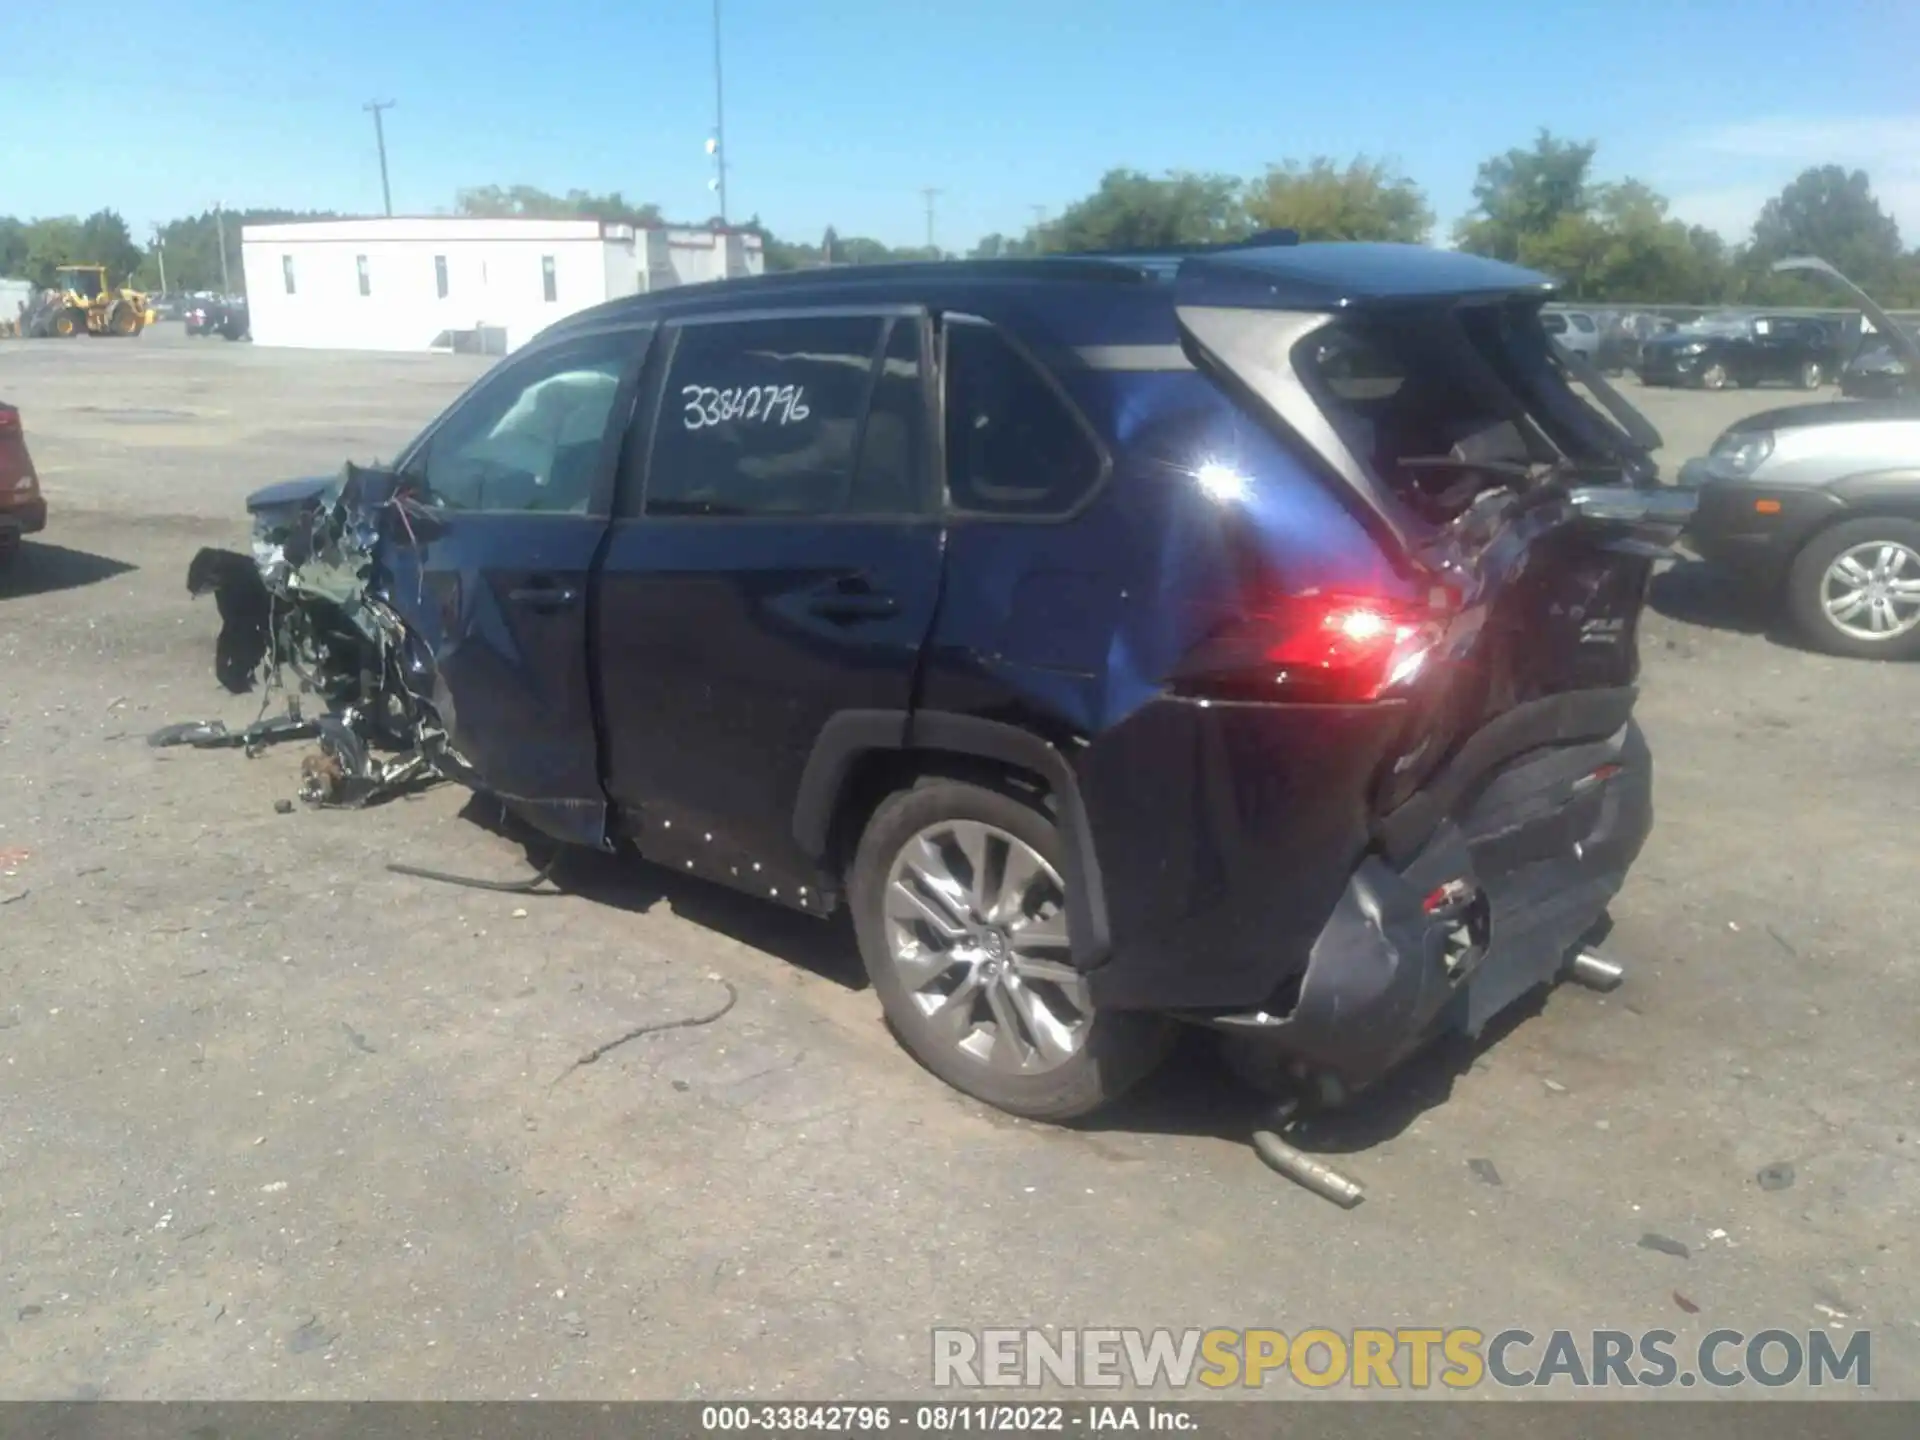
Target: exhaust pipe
1595,972
1307,1172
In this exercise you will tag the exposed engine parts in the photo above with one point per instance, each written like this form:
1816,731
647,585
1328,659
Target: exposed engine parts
303,616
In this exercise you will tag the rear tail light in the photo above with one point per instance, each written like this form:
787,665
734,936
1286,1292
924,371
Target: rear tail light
1317,648
9,422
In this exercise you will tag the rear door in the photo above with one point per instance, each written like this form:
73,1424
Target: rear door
491,573
776,560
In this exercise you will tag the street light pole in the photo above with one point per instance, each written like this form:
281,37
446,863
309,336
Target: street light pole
380,139
719,120
160,252
220,226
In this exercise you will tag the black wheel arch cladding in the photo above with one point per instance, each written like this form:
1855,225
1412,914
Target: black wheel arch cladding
852,735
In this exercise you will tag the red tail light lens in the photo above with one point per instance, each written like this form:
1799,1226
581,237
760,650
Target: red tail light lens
9,422
1324,649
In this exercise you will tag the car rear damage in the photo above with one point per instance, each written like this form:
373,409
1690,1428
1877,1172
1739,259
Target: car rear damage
307,616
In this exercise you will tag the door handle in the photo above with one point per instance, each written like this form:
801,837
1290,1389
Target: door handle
870,605
544,595
852,597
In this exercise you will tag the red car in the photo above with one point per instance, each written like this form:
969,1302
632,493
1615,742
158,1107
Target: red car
23,509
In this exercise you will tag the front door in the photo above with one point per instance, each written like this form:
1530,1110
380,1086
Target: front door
775,561
491,574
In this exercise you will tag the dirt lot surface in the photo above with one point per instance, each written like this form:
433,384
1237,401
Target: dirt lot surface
275,1123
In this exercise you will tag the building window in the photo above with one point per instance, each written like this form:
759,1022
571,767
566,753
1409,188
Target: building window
286,271
440,275
366,280
549,283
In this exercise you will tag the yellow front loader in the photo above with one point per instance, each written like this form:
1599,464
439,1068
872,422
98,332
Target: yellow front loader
83,301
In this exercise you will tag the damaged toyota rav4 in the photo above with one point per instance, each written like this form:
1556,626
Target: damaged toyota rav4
1244,637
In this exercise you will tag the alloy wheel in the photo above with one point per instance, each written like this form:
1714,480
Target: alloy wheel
1872,591
976,928
1714,377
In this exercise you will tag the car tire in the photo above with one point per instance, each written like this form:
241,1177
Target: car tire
1811,375
1816,588
926,834
1716,376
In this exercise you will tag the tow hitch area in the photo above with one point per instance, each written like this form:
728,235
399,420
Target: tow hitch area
303,617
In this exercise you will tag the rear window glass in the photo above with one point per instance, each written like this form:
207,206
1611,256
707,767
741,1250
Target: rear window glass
1402,405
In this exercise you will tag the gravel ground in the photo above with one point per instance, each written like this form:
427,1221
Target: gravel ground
275,1123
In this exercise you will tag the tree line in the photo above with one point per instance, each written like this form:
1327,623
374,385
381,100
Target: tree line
1537,205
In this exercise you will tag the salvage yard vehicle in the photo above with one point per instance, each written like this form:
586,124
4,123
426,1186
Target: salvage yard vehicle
1816,508
1245,637
226,318
82,302
1879,369
1727,350
23,509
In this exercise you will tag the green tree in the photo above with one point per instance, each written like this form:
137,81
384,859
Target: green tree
531,202
14,244
1362,200
1830,212
1132,210
105,240
1003,247
1526,193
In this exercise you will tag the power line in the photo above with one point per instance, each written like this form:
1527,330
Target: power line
380,139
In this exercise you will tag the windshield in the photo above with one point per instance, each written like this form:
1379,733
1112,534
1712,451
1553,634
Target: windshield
81,282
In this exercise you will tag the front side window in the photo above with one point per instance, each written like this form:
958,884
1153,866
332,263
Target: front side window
366,278
771,418
1014,447
286,272
1582,323
529,439
549,281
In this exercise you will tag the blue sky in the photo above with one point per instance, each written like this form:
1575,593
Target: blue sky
839,111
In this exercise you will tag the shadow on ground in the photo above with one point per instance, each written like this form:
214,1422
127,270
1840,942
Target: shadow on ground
39,569
1195,1093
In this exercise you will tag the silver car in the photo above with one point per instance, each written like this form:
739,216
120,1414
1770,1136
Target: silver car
1574,330
1817,508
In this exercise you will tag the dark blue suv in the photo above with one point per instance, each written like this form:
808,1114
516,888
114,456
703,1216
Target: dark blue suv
1244,637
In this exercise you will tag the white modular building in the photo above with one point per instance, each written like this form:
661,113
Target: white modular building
461,283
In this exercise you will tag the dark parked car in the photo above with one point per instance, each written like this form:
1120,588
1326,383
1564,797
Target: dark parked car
1238,638
1879,370
1744,350
1621,339
218,317
23,509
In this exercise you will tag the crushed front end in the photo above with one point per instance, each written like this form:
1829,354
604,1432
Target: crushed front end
304,616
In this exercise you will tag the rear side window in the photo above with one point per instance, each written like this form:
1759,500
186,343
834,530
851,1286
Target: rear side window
1014,446
766,418
1554,324
1582,323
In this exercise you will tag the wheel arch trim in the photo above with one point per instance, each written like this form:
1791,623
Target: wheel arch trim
853,734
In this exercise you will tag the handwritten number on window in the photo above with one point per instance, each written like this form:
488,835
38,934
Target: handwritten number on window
707,406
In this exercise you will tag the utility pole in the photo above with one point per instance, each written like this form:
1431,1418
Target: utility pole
929,192
380,139
719,143
220,226
160,251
